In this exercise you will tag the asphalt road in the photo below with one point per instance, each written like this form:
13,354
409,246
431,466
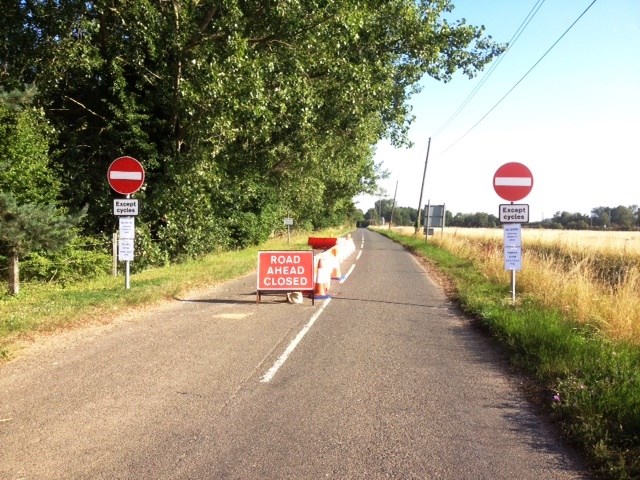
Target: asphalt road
384,380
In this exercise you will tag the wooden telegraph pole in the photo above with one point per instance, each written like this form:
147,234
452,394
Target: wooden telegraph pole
424,174
393,205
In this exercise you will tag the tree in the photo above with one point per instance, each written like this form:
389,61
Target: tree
24,228
239,110
473,220
25,135
29,189
623,217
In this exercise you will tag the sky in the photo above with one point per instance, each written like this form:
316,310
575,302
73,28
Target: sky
574,120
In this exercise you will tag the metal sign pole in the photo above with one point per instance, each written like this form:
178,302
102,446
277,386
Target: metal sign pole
127,283
114,248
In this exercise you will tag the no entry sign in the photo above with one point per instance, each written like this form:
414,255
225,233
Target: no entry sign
513,181
286,270
125,175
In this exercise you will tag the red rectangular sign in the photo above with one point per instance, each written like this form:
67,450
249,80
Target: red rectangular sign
289,270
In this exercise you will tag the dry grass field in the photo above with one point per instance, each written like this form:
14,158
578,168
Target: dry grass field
593,277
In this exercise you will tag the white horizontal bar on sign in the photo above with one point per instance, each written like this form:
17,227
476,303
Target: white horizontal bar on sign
119,175
513,181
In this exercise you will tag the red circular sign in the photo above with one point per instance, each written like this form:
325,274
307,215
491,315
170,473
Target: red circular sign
513,181
125,175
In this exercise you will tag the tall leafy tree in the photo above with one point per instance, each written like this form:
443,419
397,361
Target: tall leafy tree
25,134
240,110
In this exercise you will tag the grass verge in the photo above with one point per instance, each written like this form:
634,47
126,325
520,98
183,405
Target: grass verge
42,308
589,384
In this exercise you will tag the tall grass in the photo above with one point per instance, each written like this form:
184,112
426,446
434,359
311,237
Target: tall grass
593,279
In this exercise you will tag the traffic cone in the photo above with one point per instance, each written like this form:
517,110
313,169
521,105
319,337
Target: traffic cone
321,288
335,264
351,247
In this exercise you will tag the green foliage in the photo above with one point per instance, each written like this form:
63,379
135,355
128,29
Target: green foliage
240,111
81,259
148,251
473,220
25,172
618,218
29,227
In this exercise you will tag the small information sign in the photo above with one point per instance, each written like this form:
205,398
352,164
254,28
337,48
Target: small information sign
513,258
288,221
127,227
513,213
513,247
125,206
512,235
125,249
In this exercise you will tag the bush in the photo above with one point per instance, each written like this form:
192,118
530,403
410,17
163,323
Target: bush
84,257
147,251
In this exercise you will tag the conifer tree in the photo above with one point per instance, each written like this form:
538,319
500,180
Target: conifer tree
29,217
24,228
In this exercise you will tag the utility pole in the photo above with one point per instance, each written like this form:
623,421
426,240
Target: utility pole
424,175
393,205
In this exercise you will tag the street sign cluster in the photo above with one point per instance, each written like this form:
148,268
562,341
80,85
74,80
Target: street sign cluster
513,181
125,176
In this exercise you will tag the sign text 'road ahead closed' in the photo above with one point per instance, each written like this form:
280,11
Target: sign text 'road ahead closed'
285,270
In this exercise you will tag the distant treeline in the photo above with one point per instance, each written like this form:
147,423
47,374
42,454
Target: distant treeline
610,218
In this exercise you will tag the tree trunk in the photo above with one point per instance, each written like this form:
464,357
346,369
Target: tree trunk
14,273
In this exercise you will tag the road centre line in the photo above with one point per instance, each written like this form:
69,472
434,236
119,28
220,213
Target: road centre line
267,377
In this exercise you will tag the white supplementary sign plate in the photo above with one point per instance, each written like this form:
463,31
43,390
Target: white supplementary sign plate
513,258
513,213
127,227
125,206
125,249
512,235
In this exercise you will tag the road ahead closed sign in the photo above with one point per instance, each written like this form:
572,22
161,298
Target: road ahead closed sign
285,270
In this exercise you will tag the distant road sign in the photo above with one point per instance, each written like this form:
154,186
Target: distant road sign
513,181
125,175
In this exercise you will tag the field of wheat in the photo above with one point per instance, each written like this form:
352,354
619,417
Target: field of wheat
592,277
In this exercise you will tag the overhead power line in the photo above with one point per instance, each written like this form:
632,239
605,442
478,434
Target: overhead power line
514,38
521,79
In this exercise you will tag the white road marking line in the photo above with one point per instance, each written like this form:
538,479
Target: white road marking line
359,255
344,279
267,377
